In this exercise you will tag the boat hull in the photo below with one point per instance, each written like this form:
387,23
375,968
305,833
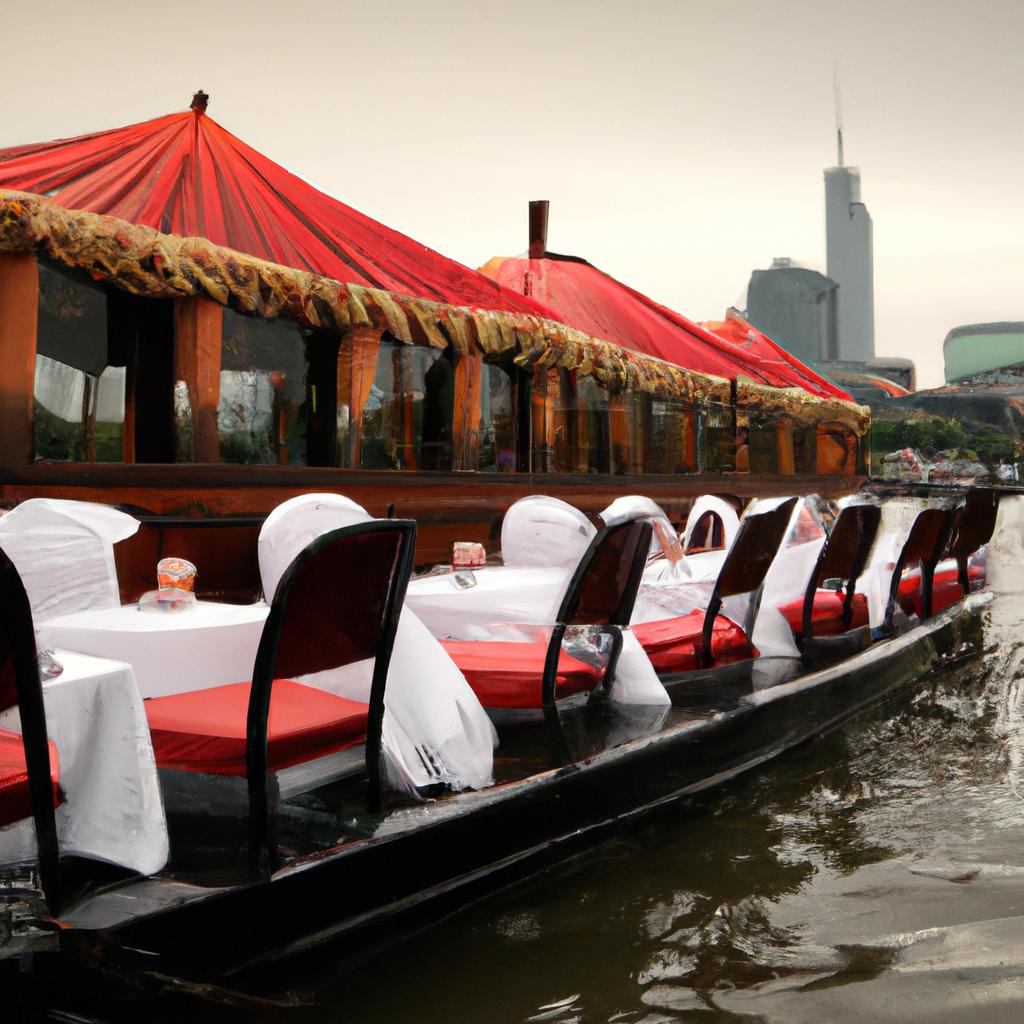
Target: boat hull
442,854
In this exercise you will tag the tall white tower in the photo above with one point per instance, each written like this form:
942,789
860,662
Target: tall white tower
850,262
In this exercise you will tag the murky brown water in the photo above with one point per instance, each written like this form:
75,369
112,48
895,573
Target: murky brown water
876,874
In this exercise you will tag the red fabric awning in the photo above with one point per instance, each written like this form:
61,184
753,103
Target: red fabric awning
755,343
184,174
594,302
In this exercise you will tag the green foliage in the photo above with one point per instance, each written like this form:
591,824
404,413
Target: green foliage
934,434
993,447
929,436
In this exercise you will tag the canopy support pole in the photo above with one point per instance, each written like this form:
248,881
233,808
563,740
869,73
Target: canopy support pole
198,325
19,305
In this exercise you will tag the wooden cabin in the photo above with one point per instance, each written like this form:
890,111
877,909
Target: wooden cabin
203,380
180,378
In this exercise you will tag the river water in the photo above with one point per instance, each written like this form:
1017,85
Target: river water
875,874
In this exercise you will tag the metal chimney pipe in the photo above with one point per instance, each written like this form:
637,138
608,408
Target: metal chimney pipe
538,228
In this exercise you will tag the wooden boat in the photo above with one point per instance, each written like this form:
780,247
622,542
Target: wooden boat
340,868
200,386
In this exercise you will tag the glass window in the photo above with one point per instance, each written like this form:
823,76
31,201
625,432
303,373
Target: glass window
628,415
762,439
837,449
670,441
261,418
724,446
594,432
407,420
497,420
804,452
79,397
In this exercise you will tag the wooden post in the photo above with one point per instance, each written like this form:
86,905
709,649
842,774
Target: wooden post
19,308
638,419
357,367
784,446
618,433
198,323
466,426
545,385
689,425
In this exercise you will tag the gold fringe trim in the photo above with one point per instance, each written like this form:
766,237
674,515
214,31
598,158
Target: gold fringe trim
146,262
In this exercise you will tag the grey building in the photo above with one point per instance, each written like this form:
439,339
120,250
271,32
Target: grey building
797,307
850,262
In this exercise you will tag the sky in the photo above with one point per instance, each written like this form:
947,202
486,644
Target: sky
681,144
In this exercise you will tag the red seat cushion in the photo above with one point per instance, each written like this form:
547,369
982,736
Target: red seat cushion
674,645
508,675
204,731
827,613
15,802
945,589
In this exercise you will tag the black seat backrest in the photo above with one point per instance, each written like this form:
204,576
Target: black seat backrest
602,592
746,565
337,603
925,544
604,586
19,685
975,523
843,557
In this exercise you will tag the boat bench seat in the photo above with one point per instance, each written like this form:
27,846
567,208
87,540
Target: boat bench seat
675,645
505,674
15,801
945,589
827,613
205,730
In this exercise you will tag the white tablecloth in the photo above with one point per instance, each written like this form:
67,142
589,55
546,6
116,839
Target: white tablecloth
429,705
209,644
501,594
112,809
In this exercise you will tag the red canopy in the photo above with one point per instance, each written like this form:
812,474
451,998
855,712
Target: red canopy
746,337
592,301
184,174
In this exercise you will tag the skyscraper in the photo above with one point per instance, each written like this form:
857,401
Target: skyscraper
850,261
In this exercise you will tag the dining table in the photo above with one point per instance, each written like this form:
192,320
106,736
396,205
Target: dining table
111,808
202,645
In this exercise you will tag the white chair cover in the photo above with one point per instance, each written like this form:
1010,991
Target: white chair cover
787,576
544,532
64,552
434,727
666,555
722,509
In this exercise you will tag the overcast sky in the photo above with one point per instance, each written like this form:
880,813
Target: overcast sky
681,143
